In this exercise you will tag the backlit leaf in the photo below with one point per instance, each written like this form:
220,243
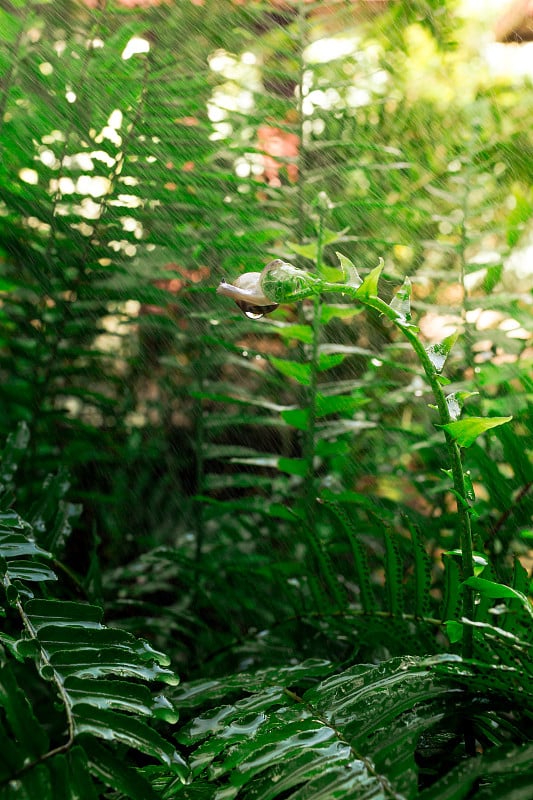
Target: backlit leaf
309,251
369,287
351,276
466,431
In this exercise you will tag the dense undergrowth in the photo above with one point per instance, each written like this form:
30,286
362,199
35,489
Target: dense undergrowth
316,513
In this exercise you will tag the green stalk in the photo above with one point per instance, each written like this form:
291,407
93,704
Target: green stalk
454,452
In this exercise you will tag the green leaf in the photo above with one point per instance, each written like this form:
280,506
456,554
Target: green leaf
329,360
309,251
117,773
511,764
335,404
369,287
327,449
10,27
330,237
71,777
5,284
332,274
293,466
112,694
91,663
329,311
492,278
454,631
63,612
30,736
455,401
351,276
302,333
293,369
439,352
466,431
297,417
106,724
521,580
453,589
13,545
401,302
29,571
495,590
470,493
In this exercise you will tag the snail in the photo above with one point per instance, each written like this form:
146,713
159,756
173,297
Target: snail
260,293
247,292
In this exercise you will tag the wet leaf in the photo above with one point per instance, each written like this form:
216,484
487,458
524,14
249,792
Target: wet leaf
455,402
439,352
106,724
401,302
115,772
466,431
351,276
112,694
369,287
29,571
496,590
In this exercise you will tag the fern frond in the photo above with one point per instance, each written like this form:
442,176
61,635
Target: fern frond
452,589
91,667
359,554
354,734
422,572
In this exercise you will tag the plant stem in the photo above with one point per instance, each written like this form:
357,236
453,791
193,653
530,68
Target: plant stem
454,452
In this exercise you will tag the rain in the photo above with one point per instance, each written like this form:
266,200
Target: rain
266,483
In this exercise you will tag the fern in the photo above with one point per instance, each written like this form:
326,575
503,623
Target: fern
361,732
289,745
102,678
